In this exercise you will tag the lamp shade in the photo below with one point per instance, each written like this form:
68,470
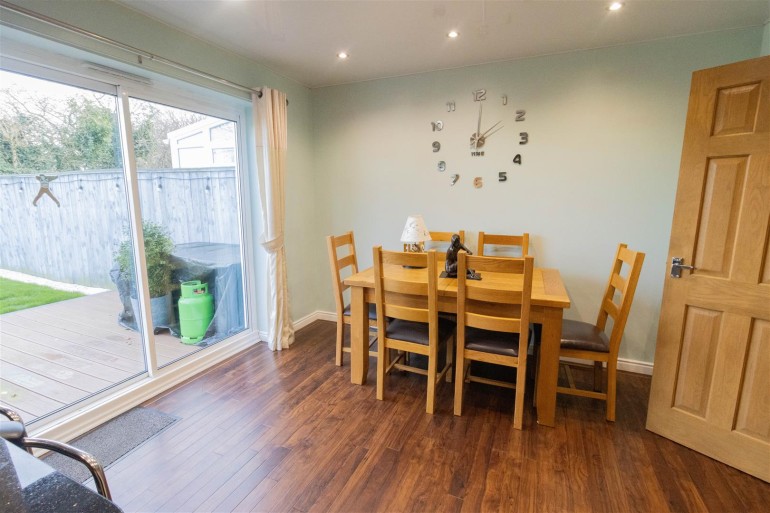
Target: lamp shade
415,230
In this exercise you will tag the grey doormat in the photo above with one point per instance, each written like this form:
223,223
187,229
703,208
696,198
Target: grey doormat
112,440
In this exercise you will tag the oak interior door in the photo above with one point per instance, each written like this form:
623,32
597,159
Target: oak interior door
711,383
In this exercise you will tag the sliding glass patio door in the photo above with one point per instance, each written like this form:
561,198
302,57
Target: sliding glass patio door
63,212
120,218
188,192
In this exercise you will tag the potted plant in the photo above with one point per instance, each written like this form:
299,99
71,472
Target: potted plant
157,249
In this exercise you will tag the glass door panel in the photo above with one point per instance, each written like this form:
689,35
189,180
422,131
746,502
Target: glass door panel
187,174
63,220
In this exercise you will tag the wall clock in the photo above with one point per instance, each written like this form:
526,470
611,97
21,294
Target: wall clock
484,128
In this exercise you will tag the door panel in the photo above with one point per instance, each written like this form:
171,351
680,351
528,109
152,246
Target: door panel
754,404
711,383
725,180
699,344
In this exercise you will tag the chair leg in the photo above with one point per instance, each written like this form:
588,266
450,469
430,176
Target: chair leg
521,386
450,359
459,383
338,351
432,372
611,389
382,362
598,376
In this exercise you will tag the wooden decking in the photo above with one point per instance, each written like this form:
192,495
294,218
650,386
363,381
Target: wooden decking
57,354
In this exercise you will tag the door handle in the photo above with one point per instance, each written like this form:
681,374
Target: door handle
677,264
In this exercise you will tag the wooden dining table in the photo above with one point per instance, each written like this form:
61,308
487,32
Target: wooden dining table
549,299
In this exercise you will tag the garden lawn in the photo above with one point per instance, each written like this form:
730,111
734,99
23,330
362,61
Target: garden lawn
16,295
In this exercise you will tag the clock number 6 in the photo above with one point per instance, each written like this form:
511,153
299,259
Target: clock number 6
524,137
517,159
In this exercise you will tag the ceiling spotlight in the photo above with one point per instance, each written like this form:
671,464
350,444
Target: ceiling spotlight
615,6
453,34
342,55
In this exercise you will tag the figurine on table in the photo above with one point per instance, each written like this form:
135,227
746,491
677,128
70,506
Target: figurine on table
451,259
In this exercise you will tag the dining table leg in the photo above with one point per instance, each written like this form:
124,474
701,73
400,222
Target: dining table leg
359,337
548,366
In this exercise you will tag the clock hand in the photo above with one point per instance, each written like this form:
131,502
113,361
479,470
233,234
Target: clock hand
485,134
478,128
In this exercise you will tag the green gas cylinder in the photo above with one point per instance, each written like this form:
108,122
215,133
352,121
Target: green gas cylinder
196,309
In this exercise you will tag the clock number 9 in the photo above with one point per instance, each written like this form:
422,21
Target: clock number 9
524,137
517,159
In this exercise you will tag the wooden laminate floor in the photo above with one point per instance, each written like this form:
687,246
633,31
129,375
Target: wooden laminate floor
288,432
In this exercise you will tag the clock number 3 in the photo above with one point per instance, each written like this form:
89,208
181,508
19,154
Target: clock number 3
524,137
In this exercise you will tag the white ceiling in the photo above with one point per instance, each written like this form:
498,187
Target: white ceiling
300,38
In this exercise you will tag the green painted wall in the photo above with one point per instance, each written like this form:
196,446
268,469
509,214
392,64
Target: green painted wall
766,39
605,136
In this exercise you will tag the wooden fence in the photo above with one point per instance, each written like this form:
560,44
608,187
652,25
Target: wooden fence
75,242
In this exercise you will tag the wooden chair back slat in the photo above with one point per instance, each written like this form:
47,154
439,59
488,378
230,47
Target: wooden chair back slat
492,323
503,240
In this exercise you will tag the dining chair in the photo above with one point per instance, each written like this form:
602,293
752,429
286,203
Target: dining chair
586,341
442,237
489,239
407,317
493,325
343,263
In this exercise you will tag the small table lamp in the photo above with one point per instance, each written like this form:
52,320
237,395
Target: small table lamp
415,234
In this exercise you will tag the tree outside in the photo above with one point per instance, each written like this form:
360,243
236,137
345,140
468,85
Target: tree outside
50,127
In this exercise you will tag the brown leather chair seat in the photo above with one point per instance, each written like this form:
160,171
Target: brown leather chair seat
583,336
372,311
495,342
417,332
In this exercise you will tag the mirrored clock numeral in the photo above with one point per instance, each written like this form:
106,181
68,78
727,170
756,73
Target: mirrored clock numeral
441,166
454,179
502,176
478,182
517,159
479,95
436,146
520,115
437,126
450,106
524,137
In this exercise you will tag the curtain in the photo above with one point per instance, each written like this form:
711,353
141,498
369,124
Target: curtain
269,115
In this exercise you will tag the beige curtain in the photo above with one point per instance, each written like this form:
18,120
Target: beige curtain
270,133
